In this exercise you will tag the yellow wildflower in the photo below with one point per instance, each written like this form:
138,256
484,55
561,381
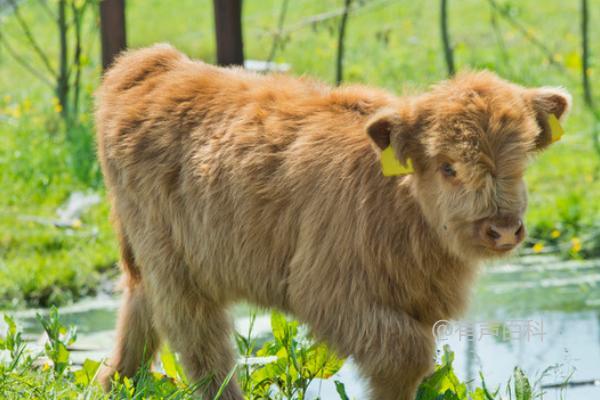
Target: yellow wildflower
538,247
555,234
16,112
575,245
57,106
26,105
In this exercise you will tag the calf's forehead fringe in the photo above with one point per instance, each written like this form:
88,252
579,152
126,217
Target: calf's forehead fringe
482,122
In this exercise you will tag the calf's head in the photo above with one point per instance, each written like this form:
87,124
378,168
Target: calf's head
469,140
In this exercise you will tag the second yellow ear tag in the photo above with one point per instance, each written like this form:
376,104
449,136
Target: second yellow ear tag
390,166
555,129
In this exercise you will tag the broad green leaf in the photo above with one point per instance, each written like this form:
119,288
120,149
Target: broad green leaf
478,394
87,373
443,380
167,358
522,386
62,354
322,362
283,330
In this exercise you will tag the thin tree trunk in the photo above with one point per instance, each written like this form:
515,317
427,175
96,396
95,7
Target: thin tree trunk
278,36
228,31
448,51
112,28
339,70
585,54
62,81
77,17
587,87
499,38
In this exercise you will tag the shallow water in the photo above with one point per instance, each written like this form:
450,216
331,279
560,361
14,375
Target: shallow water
536,312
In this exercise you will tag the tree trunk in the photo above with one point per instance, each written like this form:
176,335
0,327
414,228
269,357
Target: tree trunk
77,19
339,65
448,51
228,30
585,55
112,28
62,80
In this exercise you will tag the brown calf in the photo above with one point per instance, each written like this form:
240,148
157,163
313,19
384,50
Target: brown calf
230,186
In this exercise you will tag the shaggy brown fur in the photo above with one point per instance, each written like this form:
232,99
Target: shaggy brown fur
230,186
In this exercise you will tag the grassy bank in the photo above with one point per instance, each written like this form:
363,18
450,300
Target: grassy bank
391,44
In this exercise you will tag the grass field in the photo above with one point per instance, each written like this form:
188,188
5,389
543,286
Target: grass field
392,44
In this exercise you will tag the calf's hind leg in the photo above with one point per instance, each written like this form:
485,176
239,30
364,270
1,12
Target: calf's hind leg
136,341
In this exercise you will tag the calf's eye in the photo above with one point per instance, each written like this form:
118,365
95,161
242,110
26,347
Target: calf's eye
448,170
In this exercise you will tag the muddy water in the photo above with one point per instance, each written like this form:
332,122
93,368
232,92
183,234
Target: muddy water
537,313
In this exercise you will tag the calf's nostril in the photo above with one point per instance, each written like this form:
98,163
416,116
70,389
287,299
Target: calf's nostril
492,233
519,230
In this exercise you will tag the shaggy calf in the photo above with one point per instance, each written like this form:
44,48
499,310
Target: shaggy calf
228,186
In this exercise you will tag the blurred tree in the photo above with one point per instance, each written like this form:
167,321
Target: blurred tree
278,38
63,76
228,30
112,27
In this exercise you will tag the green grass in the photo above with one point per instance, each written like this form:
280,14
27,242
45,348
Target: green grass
395,45
295,362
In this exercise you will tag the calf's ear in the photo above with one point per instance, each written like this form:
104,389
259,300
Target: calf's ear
390,128
544,102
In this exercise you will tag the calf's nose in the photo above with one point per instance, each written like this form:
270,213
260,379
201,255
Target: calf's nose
504,236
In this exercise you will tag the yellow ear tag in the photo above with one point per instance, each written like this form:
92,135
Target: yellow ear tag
390,166
555,129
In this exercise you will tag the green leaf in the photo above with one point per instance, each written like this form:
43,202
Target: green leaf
479,394
341,389
488,395
62,354
322,362
167,358
278,326
522,386
224,384
12,327
85,376
443,381
283,331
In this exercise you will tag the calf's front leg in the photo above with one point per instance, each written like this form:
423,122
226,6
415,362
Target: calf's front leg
393,350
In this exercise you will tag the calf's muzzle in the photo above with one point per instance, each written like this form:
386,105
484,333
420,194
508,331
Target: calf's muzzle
502,233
